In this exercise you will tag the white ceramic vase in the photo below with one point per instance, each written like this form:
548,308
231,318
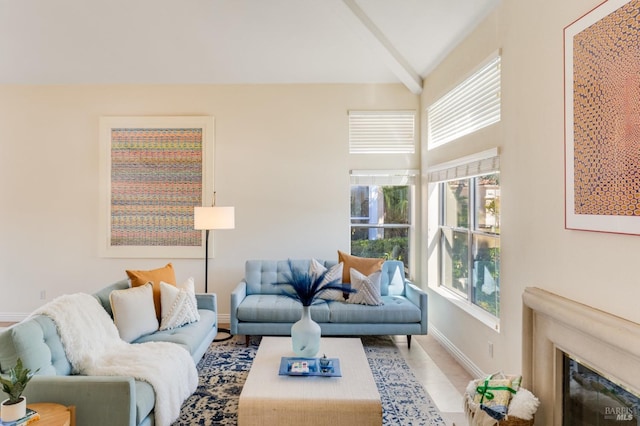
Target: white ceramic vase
11,412
305,335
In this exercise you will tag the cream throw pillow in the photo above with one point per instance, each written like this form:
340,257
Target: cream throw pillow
133,312
334,273
367,287
179,305
153,276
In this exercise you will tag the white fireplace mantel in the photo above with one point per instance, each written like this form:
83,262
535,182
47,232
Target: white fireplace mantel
553,325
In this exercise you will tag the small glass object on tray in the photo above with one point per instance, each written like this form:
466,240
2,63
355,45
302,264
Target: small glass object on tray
296,366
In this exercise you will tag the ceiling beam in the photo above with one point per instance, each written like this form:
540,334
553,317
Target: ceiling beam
379,43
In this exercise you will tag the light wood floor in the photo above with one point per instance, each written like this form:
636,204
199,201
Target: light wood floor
440,374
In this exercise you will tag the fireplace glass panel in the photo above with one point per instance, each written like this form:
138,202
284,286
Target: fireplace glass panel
590,399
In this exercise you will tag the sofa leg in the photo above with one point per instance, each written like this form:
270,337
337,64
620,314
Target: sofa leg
246,340
409,341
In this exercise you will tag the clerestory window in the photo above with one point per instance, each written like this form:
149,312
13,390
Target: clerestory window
468,107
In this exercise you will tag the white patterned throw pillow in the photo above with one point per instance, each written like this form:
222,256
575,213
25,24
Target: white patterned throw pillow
179,306
334,273
367,288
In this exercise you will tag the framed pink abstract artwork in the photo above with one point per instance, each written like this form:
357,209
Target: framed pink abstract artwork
602,119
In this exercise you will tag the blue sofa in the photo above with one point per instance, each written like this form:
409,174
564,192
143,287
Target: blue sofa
99,400
259,308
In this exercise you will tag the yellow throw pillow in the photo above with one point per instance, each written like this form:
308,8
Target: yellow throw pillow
154,276
364,265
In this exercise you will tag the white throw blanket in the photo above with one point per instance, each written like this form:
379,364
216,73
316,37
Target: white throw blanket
94,348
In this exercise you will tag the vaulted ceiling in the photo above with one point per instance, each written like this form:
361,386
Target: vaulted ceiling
230,41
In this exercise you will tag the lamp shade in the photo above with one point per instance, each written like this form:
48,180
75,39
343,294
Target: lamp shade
214,217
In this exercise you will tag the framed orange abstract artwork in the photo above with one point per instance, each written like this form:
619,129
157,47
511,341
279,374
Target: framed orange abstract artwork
602,119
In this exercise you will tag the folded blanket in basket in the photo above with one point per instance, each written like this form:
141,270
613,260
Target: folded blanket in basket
521,407
494,393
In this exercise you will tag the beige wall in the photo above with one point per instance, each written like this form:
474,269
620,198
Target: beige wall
281,158
596,269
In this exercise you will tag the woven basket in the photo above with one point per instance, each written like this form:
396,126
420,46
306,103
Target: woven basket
471,408
514,421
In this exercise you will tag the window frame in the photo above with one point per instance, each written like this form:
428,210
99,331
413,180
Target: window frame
405,177
472,234
484,163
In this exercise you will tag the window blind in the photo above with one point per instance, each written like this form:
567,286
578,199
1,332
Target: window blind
483,163
384,177
470,106
382,132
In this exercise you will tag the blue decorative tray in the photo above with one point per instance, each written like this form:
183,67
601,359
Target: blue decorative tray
295,366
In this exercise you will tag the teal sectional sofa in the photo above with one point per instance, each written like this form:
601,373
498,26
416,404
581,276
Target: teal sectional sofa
259,308
99,400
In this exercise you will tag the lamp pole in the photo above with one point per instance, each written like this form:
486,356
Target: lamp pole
207,219
206,261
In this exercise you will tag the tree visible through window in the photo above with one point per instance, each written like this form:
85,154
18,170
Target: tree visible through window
380,221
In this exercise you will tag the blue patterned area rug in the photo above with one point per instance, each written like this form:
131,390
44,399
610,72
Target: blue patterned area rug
224,369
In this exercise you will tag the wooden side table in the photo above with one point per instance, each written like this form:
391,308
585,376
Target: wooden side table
54,414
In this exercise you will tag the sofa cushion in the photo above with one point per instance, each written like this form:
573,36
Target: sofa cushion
392,281
277,308
189,336
154,276
145,400
396,309
133,312
260,275
364,265
37,343
179,306
396,284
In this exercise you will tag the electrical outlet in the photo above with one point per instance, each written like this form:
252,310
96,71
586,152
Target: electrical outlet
490,349
43,295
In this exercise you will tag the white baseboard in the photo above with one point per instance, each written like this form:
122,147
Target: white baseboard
12,316
224,318
462,359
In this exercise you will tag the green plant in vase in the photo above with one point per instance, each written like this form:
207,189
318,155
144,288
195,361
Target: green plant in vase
14,385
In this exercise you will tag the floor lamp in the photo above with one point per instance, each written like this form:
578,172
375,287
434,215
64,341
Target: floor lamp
207,219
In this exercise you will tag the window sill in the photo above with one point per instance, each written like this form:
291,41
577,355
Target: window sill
478,313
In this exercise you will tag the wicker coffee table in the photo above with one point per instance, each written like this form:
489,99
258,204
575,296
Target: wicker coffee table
268,398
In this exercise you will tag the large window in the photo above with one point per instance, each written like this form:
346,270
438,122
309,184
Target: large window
464,229
381,214
470,239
